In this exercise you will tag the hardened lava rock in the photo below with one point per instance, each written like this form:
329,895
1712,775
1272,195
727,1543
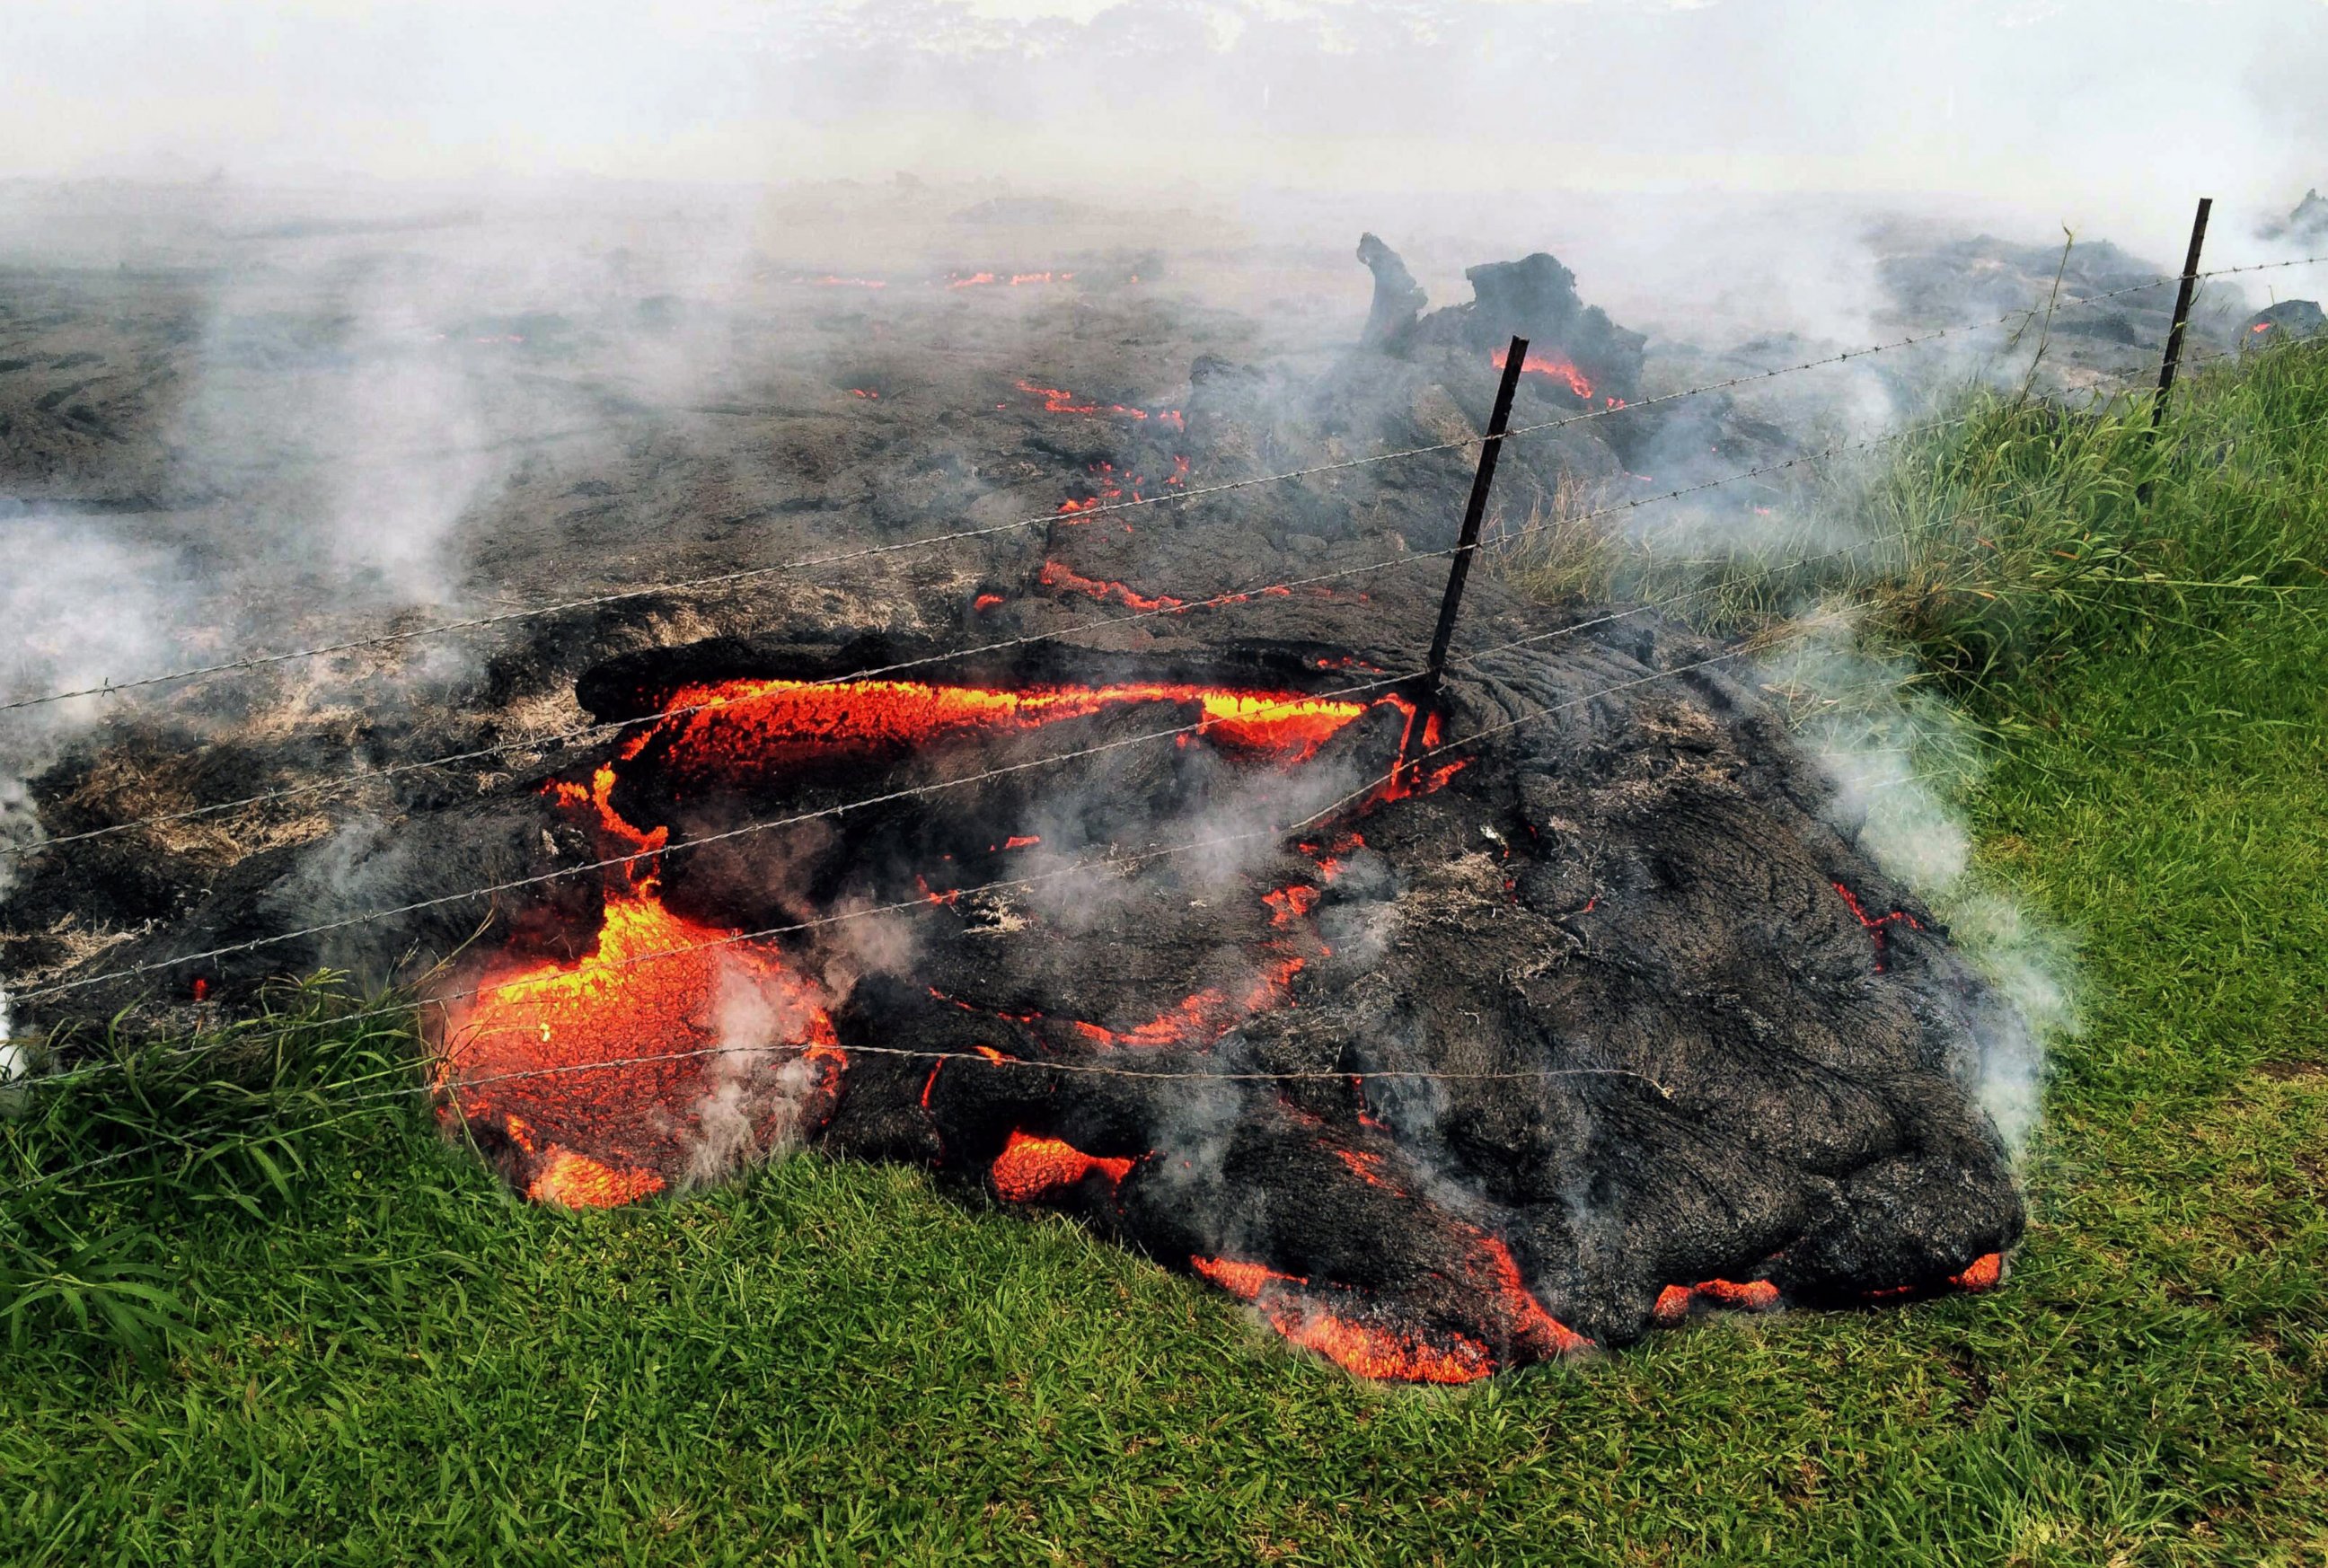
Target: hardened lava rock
1586,1015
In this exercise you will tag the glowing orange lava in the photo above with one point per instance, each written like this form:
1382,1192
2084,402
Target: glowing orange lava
547,1052
741,728
1366,1168
1288,905
1981,1274
1204,1017
1674,1302
1028,1167
1056,576
597,1078
1059,400
578,1181
1542,365
1368,1349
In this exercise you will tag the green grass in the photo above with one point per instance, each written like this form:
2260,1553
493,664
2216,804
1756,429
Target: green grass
368,1353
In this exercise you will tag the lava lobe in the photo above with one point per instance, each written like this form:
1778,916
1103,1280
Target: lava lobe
1444,1065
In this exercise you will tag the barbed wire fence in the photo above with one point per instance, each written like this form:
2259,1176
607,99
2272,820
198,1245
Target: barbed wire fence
255,661
1114,858
1388,681
258,661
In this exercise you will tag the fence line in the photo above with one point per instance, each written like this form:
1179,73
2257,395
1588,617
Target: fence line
1276,832
260,661
1470,659
883,671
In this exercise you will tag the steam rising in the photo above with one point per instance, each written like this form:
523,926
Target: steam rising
85,602
759,1085
1900,757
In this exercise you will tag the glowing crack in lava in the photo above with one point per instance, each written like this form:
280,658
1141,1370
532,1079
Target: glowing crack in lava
1059,400
1876,924
1544,365
1337,1322
1557,370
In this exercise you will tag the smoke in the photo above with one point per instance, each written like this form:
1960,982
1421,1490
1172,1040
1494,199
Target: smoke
2030,964
86,602
2077,108
381,438
760,1086
1901,759
861,941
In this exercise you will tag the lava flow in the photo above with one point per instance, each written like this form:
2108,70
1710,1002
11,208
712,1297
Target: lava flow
1343,1326
1059,400
671,1046
604,1076
733,732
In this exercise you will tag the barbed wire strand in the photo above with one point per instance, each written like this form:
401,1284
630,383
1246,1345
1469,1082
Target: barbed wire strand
253,661
1466,741
1383,682
1047,1064
559,738
1288,702
1323,813
1110,859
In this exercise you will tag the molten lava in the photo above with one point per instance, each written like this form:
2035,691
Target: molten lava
1059,400
1342,1324
1058,576
1877,925
603,1078
1674,1302
1982,1273
1030,1167
1366,1348
1544,365
737,731
549,1054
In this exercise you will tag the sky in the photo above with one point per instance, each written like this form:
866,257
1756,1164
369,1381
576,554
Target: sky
2086,109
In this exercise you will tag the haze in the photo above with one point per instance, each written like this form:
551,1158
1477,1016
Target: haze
2101,113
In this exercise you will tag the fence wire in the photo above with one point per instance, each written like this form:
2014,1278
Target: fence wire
254,661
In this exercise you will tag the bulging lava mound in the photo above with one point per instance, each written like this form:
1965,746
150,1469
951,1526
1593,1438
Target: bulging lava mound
1450,1040
1449,1046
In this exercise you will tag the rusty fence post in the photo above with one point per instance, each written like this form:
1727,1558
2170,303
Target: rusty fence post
1467,542
2166,367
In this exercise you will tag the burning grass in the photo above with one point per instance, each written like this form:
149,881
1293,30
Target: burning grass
378,1352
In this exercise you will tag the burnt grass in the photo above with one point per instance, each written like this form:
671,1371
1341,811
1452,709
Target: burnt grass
377,1354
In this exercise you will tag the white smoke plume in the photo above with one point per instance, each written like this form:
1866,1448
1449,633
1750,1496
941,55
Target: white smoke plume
83,602
1901,760
760,1085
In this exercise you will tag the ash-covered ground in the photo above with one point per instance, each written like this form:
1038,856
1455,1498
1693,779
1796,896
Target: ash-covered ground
1598,1002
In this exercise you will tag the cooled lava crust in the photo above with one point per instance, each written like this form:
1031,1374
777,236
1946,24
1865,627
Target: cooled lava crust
1575,1028
1695,1048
